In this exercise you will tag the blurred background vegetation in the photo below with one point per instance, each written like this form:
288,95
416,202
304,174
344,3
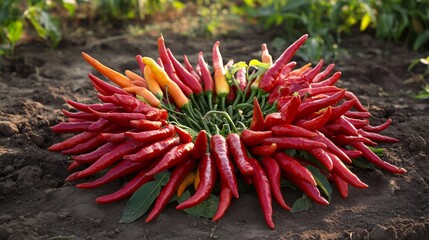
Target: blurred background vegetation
327,21
405,21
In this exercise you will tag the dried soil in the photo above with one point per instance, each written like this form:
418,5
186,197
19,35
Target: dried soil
36,203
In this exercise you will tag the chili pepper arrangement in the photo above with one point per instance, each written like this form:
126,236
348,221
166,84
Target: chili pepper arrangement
213,127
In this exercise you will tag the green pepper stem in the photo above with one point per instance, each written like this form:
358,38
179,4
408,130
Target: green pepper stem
225,116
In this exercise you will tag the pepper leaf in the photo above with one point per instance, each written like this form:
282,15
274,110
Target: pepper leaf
143,198
363,163
206,209
322,181
302,204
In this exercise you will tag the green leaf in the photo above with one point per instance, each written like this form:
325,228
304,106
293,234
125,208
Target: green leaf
421,40
302,204
206,209
14,31
143,198
363,163
322,181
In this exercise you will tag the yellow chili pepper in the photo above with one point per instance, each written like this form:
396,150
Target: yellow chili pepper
144,93
197,179
166,83
221,84
189,180
111,74
152,84
266,57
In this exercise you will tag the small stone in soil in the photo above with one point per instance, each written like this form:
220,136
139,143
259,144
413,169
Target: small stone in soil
8,129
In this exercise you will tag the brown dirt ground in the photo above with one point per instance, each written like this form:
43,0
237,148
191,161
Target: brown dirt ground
36,203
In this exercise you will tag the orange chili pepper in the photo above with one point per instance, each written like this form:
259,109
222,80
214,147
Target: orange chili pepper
144,93
298,71
136,79
197,179
166,83
111,74
152,84
221,84
189,180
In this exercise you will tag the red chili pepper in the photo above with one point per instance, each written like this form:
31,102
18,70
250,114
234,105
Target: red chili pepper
262,186
71,127
84,147
308,108
179,173
208,174
377,137
346,126
105,88
257,123
344,173
342,186
132,104
80,115
340,110
358,105
294,143
263,150
318,121
73,141
357,114
158,115
219,149
378,128
187,78
241,78
352,153
253,138
154,150
121,118
121,169
332,147
73,165
327,82
147,125
344,140
274,119
293,167
184,136
357,123
311,91
110,158
292,131
323,157
101,107
93,156
270,77
239,153
289,110
169,68
273,171
176,155
321,76
311,74
205,74
372,157
153,135
112,137
224,201
200,145
190,69
127,190
100,125
310,190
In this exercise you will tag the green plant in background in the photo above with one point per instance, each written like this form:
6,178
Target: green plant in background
18,15
327,20
424,93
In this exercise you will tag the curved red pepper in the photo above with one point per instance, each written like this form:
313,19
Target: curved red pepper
239,153
263,150
262,186
200,145
184,136
344,173
293,168
257,123
293,143
152,136
273,171
219,149
292,131
153,150
224,201
253,138
208,174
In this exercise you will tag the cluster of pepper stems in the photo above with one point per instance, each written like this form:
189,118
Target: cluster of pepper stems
209,125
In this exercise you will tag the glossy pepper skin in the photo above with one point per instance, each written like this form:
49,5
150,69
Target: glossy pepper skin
208,175
179,173
273,172
219,149
262,186
239,153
